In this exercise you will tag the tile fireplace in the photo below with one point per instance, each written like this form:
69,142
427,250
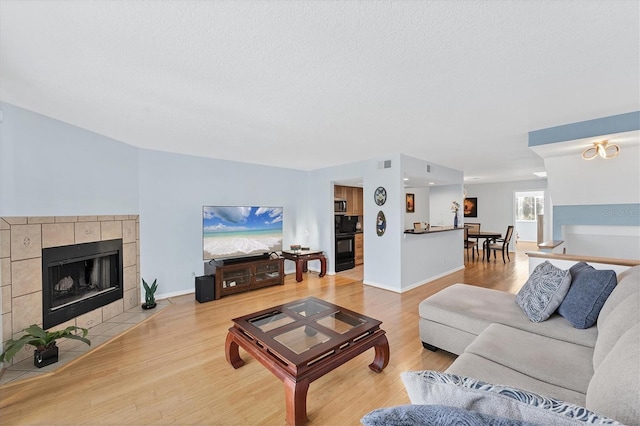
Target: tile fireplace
92,287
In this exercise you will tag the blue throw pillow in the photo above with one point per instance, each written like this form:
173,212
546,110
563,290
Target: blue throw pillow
589,289
434,415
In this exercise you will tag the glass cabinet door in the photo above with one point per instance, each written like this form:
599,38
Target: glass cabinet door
267,272
236,277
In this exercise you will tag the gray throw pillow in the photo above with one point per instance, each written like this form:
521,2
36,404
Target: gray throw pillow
544,291
589,289
434,415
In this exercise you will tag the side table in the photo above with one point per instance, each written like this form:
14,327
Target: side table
301,257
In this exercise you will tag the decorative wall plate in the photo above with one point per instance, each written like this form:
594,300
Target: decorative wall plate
381,224
380,196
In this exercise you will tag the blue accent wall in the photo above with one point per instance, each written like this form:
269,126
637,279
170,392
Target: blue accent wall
597,214
600,126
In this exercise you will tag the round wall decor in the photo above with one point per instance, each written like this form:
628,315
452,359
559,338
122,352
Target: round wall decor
381,224
380,196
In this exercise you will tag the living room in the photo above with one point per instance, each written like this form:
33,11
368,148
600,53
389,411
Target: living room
54,167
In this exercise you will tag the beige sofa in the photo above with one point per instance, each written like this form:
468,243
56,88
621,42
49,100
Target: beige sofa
597,368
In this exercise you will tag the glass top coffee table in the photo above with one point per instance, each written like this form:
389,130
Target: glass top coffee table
303,340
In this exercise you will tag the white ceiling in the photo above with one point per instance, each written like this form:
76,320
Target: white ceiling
307,85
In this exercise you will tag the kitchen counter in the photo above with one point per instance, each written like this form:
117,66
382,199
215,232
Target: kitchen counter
433,230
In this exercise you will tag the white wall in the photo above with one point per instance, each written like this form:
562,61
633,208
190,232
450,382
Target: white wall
50,168
421,203
574,181
173,189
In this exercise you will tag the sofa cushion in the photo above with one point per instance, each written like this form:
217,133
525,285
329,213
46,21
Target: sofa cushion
614,389
544,291
433,415
628,284
432,387
548,360
622,318
480,368
588,292
472,309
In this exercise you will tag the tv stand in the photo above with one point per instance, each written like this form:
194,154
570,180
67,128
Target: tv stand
246,275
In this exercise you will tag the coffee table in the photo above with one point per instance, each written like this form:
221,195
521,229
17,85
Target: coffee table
302,341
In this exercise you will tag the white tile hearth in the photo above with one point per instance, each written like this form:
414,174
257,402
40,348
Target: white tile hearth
71,350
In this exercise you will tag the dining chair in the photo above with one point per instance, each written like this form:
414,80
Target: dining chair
502,244
469,244
474,228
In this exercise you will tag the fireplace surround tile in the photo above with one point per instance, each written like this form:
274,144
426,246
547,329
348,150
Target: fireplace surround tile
129,254
5,243
90,319
58,234
104,217
87,232
26,241
27,276
129,277
16,220
6,298
5,271
40,219
111,229
7,328
112,309
87,218
128,231
26,310
64,219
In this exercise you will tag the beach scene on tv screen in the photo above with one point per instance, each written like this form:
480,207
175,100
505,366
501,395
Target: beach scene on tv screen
240,231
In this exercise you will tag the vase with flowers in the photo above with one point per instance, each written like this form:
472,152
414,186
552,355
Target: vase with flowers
455,206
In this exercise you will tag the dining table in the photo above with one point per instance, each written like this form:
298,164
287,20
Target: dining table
487,235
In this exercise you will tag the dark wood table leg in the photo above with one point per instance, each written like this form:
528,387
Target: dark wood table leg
299,267
305,266
231,352
323,266
295,395
381,359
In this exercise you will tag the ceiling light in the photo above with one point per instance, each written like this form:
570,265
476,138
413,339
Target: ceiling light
432,183
604,149
540,174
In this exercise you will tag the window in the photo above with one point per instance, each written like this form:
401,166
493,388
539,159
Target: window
529,206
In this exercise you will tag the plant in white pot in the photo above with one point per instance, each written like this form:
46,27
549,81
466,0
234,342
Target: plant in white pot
46,351
149,294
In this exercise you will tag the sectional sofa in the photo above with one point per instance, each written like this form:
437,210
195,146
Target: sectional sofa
544,372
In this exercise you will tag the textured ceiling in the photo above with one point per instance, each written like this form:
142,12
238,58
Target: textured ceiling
307,85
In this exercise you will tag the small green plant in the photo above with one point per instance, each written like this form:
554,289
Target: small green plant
42,339
150,299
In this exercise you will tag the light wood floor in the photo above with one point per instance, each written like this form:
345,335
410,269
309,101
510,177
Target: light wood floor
172,368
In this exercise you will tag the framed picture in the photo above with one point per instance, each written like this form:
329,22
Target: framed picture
411,207
471,207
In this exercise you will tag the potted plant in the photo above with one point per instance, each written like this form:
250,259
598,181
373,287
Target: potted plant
149,291
46,351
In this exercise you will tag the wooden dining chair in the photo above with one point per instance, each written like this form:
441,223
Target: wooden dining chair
474,228
469,244
502,244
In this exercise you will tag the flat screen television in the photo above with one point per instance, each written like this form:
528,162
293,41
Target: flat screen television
240,231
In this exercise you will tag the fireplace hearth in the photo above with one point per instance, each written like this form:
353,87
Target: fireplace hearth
79,278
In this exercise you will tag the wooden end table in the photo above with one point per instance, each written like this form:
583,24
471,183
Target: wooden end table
302,341
301,257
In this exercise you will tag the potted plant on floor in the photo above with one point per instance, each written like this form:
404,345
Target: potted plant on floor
46,351
149,292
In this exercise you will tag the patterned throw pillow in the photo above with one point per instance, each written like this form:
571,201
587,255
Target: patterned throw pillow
433,415
433,387
589,289
544,291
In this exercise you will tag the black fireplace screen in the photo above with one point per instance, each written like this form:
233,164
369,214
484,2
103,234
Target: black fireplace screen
80,278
